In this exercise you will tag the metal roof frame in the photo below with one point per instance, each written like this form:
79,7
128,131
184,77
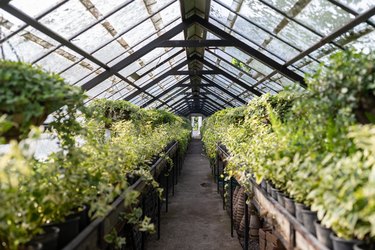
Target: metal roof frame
207,84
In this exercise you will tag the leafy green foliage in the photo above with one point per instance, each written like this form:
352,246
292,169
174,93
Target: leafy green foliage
312,144
28,95
93,172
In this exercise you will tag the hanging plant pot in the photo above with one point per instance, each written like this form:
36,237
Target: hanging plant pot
68,230
16,131
309,217
323,234
342,244
49,239
299,208
289,205
28,95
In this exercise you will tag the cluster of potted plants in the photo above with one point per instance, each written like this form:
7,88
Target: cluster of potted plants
46,203
312,150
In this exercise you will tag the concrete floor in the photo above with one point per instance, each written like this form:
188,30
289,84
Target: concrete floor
196,219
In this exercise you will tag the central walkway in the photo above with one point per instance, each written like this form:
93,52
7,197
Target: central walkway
196,219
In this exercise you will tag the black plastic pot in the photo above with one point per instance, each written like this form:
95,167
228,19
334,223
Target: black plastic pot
299,208
289,205
342,244
364,246
280,198
84,219
69,229
32,246
263,184
274,192
309,217
48,239
269,188
323,235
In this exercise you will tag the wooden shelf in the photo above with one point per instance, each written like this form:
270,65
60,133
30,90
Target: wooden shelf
289,230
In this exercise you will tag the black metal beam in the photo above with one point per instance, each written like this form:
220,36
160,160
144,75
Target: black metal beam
38,17
187,107
282,69
238,34
157,79
297,22
195,72
349,10
171,98
136,55
213,84
159,63
35,24
217,96
196,43
213,103
229,76
165,92
201,85
239,69
338,32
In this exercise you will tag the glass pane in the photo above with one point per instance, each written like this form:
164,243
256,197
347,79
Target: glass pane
68,19
77,72
323,16
8,23
284,5
358,5
93,38
298,36
34,8
260,14
29,45
128,16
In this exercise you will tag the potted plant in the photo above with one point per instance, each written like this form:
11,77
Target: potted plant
28,95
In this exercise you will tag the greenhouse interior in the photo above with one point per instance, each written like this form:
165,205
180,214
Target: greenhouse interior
187,124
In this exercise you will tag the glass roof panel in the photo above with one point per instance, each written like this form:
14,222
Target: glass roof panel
54,62
250,31
140,22
92,38
284,5
68,19
358,5
109,52
323,16
32,9
129,16
28,45
79,74
219,12
364,43
8,24
170,13
143,30
260,14
298,36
